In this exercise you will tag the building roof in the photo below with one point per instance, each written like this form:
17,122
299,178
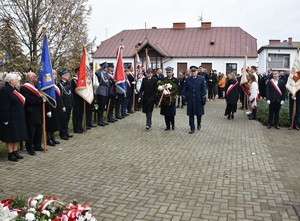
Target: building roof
185,42
281,45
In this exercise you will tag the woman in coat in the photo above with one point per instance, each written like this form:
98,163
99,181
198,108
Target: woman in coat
232,96
12,116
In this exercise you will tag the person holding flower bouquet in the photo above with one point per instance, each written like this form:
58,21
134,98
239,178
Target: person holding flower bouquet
194,92
167,91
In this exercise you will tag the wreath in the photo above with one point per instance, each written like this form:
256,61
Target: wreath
166,92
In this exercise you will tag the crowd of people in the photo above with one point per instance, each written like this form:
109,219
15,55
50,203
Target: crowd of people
21,109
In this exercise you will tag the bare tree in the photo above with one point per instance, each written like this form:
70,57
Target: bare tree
65,21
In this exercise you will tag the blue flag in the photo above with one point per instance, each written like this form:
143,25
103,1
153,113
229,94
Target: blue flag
46,82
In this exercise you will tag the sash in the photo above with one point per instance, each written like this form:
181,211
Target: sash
276,87
20,96
32,89
230,88
111,76
128,83
57,90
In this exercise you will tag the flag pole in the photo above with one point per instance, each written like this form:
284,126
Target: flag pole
84,116
44,112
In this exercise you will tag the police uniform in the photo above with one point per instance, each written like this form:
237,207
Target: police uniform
111,102
67,103
169,110
194,92
102,91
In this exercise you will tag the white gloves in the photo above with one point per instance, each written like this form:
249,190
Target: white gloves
133,82
281,102
294,98
49,114
268,102
44,99
5,123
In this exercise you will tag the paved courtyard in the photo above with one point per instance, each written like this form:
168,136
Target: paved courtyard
230,170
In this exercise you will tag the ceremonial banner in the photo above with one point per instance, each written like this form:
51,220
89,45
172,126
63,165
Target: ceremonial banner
293,82
84,86
148,63
244,80
119,71
46,82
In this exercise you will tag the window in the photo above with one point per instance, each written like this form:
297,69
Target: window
231,67
286,62
126,65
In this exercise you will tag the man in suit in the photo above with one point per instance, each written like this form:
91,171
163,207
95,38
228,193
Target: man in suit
148,96
67,103
33,114
194,92
275,95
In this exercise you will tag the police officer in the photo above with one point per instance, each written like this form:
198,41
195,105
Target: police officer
102,91
111,102
194,92
169,110
67,103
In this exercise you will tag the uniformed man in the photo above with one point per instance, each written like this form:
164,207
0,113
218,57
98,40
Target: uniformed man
111,102
169,110
77,115
67,104
102,91
194,92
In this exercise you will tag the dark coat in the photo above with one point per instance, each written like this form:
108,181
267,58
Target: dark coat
148,93
272,94
232,95
52,123
194,92
12,111
33,106
66,94
169,110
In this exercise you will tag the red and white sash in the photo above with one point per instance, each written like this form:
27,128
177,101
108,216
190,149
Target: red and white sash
276,87
57,90
230,88
32,89
20,96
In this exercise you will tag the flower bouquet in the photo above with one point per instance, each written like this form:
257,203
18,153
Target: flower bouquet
166,92
43,208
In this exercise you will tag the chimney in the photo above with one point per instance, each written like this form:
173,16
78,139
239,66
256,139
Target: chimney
290,41
272,42
206,25
179,26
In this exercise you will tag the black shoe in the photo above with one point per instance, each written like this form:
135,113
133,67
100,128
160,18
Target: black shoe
88,127
125,115
38,149
168,128
228,117
17,155
147,127
50,143
181,106
105,123
31,152
12,157
252,118
54,141
131,112
173,127
64,138
101,124
232,116
110,121
199,127
177,106
277,127
120,117
191,131
114,119
269,126
69,136
92,125
78,132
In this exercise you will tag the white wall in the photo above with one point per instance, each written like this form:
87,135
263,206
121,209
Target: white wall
263,57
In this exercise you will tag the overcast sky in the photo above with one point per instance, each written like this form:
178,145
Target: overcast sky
263,19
